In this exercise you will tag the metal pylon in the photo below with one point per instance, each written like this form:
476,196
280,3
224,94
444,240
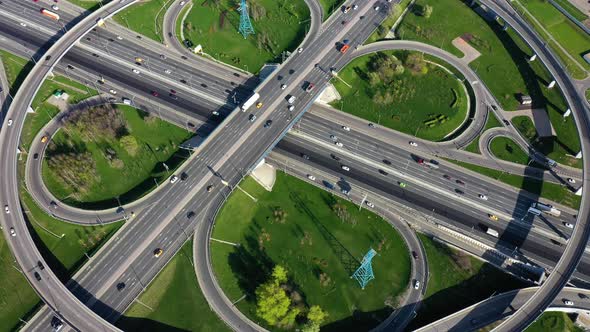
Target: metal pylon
246,27
364,273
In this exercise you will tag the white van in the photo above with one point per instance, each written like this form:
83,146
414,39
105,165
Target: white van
126,101
291,99
534,211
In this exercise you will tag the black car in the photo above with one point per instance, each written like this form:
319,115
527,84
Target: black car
415,255
506,122
383,172
36,156
120,286
40,265
304,156
335,157
446,177
37,276
386,162
183,176
190,214
459,191
268,123
460,182
371,125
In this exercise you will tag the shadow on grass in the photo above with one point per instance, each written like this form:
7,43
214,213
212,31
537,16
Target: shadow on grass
358,321
144,324
250,265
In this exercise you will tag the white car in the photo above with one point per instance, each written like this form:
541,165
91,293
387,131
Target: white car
376,8
23,24
173,179
482,196
291,108
6,209
283,86
12,232
311,177
416,284
345,192
299,50
371,205
570,180
412,143
119,38
355,7
568,225
333,137
338,144
568,302
182,3
135,71
346,168
9,122
345,128
54,7
167,71
113,91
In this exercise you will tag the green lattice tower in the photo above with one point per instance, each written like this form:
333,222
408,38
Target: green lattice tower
246,27
364,273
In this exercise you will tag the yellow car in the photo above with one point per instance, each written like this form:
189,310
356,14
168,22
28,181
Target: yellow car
138,59
493,217
259,105
158,252
44,139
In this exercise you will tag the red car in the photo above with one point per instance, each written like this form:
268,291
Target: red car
420,161
172,91
155,94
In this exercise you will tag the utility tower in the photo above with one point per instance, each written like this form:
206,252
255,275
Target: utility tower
246,27
364,273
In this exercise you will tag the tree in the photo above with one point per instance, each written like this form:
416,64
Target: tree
427,11
415,62
310,327
272,302
289,318
316,315
130,145
279,274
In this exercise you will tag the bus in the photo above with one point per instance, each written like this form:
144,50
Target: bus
49,14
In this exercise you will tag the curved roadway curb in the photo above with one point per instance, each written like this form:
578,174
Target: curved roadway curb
50,288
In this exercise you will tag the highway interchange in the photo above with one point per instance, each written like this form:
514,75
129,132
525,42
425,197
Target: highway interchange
111,303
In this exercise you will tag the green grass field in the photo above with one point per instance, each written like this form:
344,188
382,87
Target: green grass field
158,142
492,122
554,322
503,66
176,300
280,25
330,6
573,10
388,23
417,99
87,4
312,240
551,191
506,149
145,17
573,39
456,281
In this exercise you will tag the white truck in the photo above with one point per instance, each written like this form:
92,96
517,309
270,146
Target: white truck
549,209
492,232
250,101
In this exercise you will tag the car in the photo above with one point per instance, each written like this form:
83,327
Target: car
190,214
338,144
309,87
370,204
132,214
416,284
9,122
333,137
290,108
335,157
402,184
570,180
291,99
446,177
12,232
311,177
345,128
482,196
415,255
181,3
114,92
216,113
268,123
37,276
252,118
460,182
299,50
40,265
44,139
568,225
23,24
53,204
506,122
412,143
371,125
119,38
283,86
344,22
54,7
173,179
492,217
386,162
346,168
210,188
158,252
355,7
376,7
36,156
383,172
154,93
120,286
192,125
259,105
420,161
173,96
568,302
183,176
167,71
346,9
459,191
494,107
304,156
6,209
135,71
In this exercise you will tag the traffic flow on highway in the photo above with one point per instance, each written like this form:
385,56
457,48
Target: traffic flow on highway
243,121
